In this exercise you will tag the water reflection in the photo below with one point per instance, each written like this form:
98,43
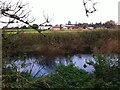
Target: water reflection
40,65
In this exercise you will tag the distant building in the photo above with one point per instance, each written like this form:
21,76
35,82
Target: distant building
90,28
44,27
56,28
73,27
70,27
59,27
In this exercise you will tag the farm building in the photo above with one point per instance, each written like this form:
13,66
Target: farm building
44,27
90,28
73,27
70,27
56,28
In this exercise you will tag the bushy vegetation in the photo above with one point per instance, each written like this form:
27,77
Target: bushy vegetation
69,77
106,71
11,78
105,75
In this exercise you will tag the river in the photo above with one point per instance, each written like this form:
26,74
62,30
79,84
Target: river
41,65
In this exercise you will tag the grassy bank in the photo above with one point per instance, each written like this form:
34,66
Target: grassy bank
13,31
56,43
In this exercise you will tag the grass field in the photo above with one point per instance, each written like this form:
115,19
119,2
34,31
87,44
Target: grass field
11,31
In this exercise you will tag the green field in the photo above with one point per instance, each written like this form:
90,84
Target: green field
12,31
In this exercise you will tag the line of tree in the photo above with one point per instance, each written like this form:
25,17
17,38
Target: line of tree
108,24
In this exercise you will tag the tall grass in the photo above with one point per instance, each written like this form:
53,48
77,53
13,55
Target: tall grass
106,41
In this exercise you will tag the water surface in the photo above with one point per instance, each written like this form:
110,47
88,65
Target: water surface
42,65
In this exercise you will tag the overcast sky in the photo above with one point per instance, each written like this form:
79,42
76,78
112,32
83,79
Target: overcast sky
72,10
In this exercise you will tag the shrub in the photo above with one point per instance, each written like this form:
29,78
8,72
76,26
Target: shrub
68,77
106,71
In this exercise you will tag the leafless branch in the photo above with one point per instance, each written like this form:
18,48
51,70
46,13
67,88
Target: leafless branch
89,10
15,13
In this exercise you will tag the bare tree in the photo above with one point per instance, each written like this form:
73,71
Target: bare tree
46,25
15,13
47,18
